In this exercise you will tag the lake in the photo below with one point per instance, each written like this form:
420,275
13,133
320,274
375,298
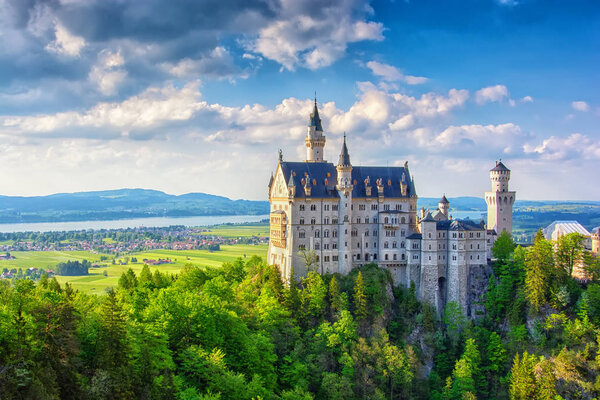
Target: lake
130,223
165,221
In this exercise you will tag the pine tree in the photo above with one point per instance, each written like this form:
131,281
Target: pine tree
522,379
539,268
335,300
145,276
360,298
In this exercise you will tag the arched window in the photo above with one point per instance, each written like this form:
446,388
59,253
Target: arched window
394,257
403,220
386,245
326,233
334,234
317,234
403,257
386,257
386,220
301,234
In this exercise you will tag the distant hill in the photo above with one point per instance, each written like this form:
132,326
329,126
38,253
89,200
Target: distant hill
121,204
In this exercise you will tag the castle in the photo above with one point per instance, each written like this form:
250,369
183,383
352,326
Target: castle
345,216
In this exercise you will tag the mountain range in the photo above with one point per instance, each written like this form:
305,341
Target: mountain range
140,203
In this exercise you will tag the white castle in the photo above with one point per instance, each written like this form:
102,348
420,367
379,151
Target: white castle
353,215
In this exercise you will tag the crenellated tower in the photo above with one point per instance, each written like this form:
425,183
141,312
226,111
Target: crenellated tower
500,200
315,140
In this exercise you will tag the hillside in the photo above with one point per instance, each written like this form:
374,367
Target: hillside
120,204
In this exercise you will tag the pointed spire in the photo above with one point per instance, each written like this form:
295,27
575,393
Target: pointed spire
271,180
291,182
314,117
344,156
444,200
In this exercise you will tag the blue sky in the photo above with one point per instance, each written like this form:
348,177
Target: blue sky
187,96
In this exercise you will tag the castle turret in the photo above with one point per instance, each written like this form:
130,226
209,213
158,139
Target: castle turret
596,242
500,200
345,187
315,140
444,205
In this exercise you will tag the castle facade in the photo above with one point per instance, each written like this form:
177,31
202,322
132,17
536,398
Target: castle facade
340,216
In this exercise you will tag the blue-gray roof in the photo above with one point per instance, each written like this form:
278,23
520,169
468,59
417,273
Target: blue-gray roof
500,167
344,156
314,119
320,171
459,225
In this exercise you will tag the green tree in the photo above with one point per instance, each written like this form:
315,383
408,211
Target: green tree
145,276
503,247
335,300
569,252
539,267
360,298
522,384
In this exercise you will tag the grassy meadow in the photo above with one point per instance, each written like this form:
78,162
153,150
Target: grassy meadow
230,231
96,282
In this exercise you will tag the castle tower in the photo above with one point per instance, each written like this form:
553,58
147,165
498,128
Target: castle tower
344,187
596,242
444,205
429,269
315,140
500,200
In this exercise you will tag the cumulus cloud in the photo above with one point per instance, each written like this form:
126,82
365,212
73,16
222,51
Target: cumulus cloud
575,146
392,74
526,99
315,35
65,42
219,63
107,74
491,94
580,106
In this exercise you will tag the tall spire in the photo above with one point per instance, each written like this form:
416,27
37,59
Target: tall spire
344,156
314,117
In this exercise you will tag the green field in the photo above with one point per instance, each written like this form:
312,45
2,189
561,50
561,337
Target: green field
238,230
96,282
47,259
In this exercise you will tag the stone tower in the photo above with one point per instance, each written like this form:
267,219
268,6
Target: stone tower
344,187
500,200
596,242
444,205
315,140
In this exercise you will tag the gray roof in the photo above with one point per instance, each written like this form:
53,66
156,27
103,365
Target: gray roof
459,225
415,236
321,171
314,119
444,200
499,167
565,227
428,217
344,156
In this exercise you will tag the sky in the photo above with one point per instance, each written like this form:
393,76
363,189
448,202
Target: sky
198,96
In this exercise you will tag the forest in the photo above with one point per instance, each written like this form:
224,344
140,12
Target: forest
239,332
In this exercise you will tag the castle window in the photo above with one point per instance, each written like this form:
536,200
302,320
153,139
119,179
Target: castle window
471,247
313,221
366,245
301,234
358,245
361,207
334,221
354,233
403,257
403,220
326,258
317,258
453,247
326,220
403,233
430,235
386,257
367,232
301,221
345,218
313,207
397,207
374,233
358,220
375,256
374,207
317,246
429,258
334,233
375,244
345,244
352,206
386,207
402,244
477,247
471,257
301,207
478,256
334,207
394,245
386,245
326,246
366,220
334,245
394,257
334,258
326,233
429,247
454,235
326,207
317,234
301,247
375,220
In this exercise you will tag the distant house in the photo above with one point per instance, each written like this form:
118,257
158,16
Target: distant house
558,229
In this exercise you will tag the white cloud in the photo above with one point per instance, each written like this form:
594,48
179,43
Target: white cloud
219,63
491,94
580,106
107,74
315,41
527,99
575,146
65,42
392,74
